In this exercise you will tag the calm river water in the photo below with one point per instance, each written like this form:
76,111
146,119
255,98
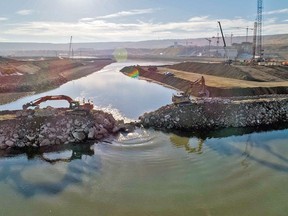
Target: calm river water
147,172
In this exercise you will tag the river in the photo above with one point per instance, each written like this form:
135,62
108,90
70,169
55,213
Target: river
147,172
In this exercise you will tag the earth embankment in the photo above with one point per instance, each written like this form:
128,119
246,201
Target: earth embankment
236,71
21,78
225,81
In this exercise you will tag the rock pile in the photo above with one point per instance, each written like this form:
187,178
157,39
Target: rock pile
218,113
45,127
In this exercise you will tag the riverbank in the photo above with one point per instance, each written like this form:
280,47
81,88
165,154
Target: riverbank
237,99
214,113
221,80
45,128
22,78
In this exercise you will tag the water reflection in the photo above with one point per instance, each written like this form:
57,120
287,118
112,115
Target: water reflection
109,88
247,152
191,145
73,163
246,144
77,153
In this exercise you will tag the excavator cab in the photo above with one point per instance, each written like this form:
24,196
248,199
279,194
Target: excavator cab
74,105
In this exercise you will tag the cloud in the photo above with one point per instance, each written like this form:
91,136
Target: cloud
280,11
128,13
198,19
91,29
276,28
3,18
3,39
270,21
24,12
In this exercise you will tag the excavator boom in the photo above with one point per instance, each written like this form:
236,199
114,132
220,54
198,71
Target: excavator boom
72,103
197,88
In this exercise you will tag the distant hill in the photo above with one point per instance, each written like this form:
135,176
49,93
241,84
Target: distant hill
274,45
151,44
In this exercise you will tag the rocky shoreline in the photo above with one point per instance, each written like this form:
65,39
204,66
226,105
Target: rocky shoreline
215,113
50,127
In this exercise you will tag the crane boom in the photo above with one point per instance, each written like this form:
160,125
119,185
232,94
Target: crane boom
224,42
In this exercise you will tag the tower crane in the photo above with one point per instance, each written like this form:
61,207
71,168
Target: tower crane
247,31
259,27
209,40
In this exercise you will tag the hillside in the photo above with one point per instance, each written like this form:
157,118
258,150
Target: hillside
281,39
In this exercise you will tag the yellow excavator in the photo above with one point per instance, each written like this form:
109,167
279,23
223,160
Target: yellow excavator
197,88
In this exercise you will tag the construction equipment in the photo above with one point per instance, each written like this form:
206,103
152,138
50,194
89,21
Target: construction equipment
197,88
70,48
224,42
247,31
259,28
254,41
74,105
209,40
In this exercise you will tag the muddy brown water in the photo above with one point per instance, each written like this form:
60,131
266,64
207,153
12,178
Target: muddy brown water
147,172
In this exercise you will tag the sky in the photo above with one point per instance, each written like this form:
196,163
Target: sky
54,21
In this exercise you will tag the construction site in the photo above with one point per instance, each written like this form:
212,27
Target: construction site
179,108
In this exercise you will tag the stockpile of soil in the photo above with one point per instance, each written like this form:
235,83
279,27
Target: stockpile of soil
215,69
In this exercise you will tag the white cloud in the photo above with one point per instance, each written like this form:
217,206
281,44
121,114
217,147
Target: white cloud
86,19
270,21
128,13
3,39
198,19
276,29
91,29
280,11
3,18
24,12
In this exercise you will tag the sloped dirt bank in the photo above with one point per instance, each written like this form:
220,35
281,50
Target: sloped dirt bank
223,90
241,72
50,74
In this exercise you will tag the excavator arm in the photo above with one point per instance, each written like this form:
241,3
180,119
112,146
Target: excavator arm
73,104
197,88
